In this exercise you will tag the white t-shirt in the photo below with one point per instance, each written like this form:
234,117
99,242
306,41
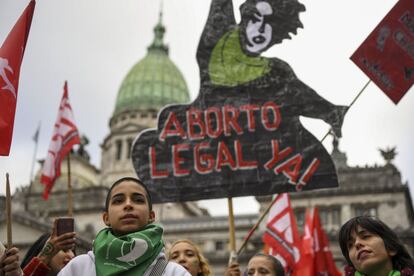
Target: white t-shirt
85,265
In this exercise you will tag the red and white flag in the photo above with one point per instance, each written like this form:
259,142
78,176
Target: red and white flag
317,258
11,56
65,136
281,236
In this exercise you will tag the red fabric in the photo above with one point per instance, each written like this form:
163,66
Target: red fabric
306,265
349,270
317,258
386,56
329,260
65,136
36,268
11,56
407,272
281,235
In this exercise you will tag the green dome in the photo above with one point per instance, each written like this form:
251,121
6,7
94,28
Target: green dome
154,81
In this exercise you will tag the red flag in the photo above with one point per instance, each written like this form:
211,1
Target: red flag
317,257
281,235
387,56
330,263
65,136
11,56
306,266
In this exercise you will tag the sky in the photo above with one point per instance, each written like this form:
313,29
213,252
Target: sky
93,44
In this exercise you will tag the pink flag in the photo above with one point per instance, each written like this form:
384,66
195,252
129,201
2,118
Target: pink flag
282,236
11,56
65,135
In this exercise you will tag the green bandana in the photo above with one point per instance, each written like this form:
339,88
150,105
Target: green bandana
392,273
230,66
130,254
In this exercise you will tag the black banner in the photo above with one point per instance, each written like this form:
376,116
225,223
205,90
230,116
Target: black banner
242,135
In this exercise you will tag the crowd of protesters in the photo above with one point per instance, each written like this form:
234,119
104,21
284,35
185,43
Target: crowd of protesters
369,246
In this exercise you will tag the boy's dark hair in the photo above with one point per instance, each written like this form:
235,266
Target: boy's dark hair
402,258
133,179
277,265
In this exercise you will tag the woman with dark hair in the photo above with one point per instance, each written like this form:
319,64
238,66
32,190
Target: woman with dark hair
260,264
371,248
49,254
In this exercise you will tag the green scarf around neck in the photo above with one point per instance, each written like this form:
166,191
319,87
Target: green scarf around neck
392,273
230,66
130,254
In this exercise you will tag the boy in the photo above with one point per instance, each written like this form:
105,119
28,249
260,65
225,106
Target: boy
132,244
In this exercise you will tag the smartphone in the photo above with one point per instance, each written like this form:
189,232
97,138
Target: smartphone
64,225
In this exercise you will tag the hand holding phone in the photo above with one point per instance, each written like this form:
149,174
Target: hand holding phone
62,238
64,225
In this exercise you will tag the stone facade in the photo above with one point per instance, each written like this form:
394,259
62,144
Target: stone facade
124,127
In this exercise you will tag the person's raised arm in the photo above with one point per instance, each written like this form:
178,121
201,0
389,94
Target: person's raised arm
306,101
56,243
220,20
311,104
40,265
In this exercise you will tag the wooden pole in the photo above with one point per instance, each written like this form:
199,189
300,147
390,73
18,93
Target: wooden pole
29,191
351,104
70,199
359,94
34,154
232,235
270,205
249,235
8,213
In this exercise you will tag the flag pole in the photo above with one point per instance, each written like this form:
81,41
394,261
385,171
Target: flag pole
8,213
247,238
359,94
70,202
232,237
36,139
351,104
249,235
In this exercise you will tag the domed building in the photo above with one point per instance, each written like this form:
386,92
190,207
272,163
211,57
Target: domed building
152,83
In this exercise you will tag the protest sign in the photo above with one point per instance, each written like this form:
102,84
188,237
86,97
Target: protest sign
242,134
